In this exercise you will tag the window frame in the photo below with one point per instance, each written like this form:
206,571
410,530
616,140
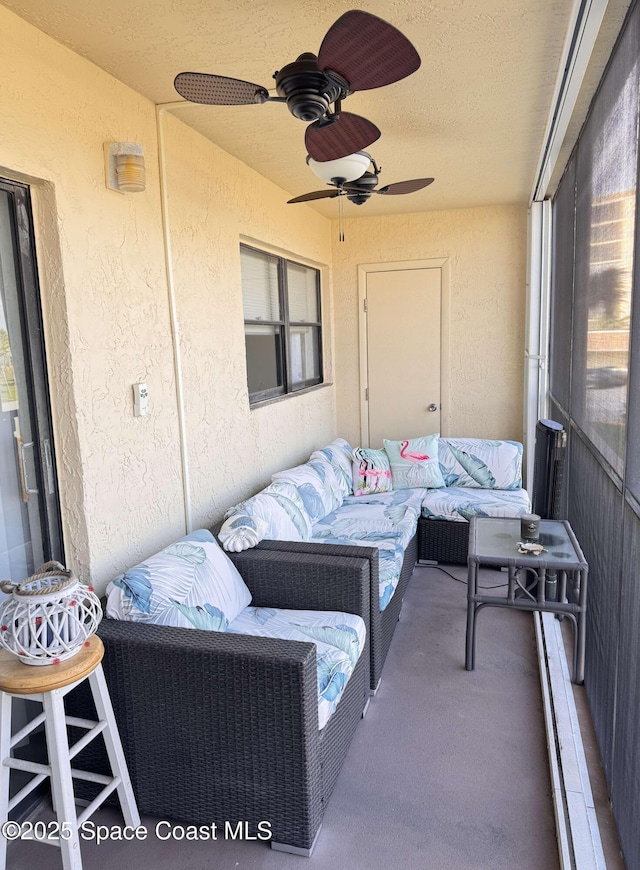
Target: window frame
284,326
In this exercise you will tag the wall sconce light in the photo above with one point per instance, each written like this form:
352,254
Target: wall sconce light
124,167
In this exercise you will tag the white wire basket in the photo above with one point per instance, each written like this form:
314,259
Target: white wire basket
49,616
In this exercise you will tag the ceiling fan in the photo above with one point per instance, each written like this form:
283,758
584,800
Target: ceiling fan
359,52
358,188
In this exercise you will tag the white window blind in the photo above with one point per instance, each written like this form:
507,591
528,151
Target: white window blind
260,294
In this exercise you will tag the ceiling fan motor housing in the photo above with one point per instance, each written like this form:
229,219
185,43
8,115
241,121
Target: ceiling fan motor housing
308,91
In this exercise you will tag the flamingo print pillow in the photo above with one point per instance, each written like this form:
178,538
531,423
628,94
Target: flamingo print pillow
371,471
414,462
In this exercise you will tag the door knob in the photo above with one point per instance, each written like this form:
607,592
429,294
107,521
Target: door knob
432,407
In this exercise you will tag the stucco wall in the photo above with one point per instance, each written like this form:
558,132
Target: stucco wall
104,288
486,249
215,200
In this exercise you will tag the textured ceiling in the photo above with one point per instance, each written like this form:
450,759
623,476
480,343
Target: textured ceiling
473,115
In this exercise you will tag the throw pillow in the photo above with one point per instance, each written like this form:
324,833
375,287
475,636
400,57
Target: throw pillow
338,454
371,471
317,484
191,584
481,463
414,462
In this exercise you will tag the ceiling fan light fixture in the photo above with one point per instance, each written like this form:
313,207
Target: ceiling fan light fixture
348,168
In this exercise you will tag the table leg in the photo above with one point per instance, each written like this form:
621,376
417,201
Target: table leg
581,629
511,584
472,585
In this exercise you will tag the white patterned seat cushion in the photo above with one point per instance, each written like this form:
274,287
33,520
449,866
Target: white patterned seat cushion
339,639
371,522
460,503
409,497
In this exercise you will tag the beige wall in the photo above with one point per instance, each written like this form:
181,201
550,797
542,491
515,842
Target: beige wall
107,312
486,250
104,286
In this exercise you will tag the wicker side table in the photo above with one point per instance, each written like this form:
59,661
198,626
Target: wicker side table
494,541
49,685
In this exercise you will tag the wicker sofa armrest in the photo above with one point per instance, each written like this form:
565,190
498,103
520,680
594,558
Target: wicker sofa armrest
205,717
193,672
306,579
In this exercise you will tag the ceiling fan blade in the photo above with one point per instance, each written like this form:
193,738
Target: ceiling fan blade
346,135
218,90
317,194
405,186
367,51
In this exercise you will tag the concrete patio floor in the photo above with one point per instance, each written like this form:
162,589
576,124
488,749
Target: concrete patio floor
448,770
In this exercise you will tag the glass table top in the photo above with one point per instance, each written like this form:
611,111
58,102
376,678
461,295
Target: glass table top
498,538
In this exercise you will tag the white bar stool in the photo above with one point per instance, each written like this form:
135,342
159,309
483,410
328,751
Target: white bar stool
49,684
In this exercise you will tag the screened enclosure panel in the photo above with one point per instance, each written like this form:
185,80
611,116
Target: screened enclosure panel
604,240
596,396
595,514
562,283
625,789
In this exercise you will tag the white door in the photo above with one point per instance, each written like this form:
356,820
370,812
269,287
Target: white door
403,352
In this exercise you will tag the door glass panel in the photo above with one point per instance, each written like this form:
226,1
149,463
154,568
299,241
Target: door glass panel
21,533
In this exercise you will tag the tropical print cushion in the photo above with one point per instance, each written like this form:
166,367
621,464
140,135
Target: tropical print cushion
390,559
338,455
191,584
408,497
276,513
317,485
481,463
460,503
371,471
339,639
414,462
371,522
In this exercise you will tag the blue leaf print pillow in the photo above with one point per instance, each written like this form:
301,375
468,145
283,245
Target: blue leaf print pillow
481,463
190,584
318,487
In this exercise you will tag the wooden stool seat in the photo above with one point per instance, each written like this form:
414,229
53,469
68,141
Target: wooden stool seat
49,684
17,678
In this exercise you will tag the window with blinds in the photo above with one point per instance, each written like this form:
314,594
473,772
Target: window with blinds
282,324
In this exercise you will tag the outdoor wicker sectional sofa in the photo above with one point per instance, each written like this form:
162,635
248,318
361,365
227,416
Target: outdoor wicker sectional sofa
220,727
390,530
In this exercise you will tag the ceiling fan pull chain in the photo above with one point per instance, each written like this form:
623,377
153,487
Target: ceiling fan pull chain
341,219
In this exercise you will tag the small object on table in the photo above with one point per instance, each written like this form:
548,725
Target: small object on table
531,548
559,570
530,527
